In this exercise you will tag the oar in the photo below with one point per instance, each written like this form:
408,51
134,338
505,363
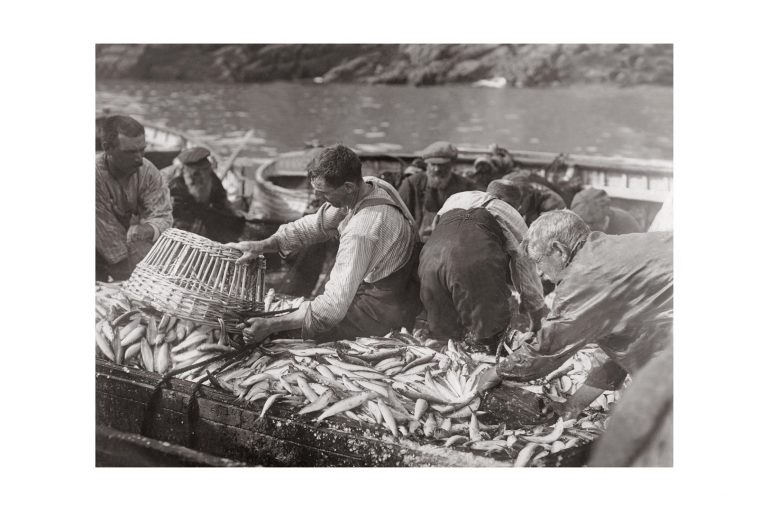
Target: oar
222,171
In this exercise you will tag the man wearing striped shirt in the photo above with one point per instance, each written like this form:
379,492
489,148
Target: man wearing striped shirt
474,245
133,205
370,290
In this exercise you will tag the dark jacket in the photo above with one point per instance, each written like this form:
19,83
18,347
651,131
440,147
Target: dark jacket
424,202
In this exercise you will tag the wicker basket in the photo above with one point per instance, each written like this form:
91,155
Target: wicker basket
191,277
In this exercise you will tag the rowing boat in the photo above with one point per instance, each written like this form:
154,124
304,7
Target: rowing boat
279,190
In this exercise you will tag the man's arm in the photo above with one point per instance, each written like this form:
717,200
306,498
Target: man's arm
352,262
111,240
155,200
578,317
330,308
308,230
523,272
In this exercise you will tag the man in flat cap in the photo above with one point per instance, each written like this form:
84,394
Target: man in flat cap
518,190
594,207
132,204
493,166
425,193
200,203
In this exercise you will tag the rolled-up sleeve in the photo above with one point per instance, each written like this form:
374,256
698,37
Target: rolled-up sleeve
155,200
352,261
523,272
310,229
527,282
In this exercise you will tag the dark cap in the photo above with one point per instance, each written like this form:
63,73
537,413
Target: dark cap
440,153
193,156
483,161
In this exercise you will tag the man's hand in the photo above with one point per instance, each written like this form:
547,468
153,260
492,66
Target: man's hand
250,250
140,232
489,379
259,329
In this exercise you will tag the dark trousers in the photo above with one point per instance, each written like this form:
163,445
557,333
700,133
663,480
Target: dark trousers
378,308
463,270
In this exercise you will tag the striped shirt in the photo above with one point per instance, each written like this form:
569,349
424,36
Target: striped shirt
522,269
145,198
374,242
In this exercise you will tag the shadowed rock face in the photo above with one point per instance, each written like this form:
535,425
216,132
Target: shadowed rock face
523,65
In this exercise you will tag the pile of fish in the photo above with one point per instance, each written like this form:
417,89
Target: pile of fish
408,386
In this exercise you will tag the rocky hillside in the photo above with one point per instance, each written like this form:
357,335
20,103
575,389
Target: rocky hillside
522,65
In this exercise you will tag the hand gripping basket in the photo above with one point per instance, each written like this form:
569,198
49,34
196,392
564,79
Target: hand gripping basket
191,277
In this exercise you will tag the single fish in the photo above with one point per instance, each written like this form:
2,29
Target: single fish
347,404
374,409
420,408
272,399
455,439
306,389
389,419
474,429
549,438
525,455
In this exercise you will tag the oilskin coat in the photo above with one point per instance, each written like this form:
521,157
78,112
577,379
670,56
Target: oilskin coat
616,292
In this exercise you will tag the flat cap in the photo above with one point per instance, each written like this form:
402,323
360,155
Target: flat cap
193,155
440,152
483,162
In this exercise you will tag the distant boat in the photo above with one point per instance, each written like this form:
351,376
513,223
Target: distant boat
496,82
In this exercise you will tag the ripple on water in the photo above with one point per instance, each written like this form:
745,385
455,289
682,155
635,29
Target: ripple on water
375,135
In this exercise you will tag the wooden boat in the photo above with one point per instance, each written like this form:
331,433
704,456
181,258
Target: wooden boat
164,145
278,189
141,422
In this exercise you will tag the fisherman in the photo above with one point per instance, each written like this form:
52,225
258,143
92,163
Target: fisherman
615,291
425,193
200,203
417,165
372,287
530,201
594,207
475,243
487,168
133,205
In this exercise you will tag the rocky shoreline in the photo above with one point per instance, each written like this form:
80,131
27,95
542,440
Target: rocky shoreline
512,65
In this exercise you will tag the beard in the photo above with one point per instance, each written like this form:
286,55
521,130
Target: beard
200,190
438,182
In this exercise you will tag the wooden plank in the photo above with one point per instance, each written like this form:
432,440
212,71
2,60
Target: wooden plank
115,448
231,429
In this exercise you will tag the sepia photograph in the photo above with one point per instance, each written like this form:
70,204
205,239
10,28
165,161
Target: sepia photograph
384,255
